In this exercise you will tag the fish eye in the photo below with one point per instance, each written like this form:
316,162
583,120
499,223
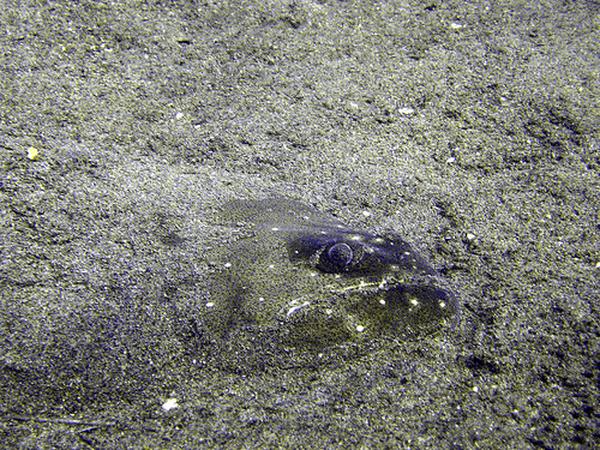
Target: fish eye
338,256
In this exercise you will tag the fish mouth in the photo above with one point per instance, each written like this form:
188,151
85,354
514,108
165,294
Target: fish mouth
369,311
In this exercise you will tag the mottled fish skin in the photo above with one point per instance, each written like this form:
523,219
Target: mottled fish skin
317,281
355,254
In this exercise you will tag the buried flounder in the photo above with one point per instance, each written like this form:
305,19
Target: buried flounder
304,279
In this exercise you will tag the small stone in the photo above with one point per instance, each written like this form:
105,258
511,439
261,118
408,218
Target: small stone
170,404
406,110
33,154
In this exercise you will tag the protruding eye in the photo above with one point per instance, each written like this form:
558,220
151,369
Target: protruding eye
336,258
340,254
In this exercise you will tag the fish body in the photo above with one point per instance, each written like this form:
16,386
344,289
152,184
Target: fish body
312,280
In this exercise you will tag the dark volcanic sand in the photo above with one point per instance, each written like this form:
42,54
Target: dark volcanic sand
468,129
